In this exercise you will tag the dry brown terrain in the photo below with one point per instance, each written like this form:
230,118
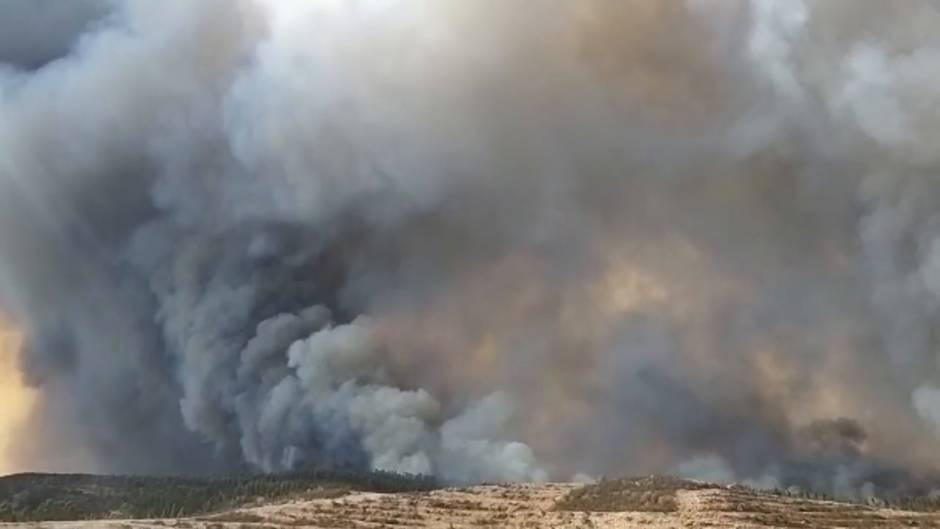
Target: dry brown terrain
649,505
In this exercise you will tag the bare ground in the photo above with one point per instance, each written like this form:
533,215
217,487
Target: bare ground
542,506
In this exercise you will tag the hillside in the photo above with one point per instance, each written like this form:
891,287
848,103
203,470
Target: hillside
38,497
654,503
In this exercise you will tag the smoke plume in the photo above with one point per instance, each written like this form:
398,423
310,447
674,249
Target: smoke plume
484,240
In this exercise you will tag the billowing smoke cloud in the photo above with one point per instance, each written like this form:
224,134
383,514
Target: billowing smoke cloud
481,240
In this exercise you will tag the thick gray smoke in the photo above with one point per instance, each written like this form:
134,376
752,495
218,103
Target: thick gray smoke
480,240
34,33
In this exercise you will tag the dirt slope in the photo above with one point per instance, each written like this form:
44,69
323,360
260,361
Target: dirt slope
538,506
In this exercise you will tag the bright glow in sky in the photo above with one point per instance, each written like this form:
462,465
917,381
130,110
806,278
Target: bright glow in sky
16,399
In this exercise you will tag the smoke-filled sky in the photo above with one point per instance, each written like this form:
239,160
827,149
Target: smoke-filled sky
484,240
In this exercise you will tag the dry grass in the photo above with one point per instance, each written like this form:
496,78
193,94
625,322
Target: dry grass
745,507
649,503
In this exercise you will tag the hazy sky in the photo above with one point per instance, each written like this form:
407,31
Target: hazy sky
16,397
